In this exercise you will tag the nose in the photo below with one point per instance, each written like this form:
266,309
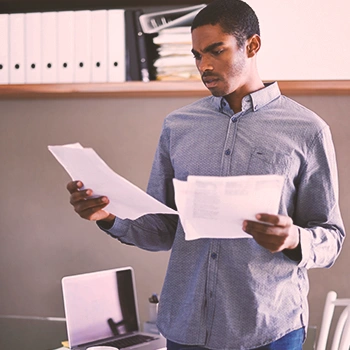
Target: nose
204,65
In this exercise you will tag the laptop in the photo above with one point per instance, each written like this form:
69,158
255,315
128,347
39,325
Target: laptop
101,310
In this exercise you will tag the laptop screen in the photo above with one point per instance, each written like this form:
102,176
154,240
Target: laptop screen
99,305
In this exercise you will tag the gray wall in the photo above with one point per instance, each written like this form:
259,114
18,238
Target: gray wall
42,239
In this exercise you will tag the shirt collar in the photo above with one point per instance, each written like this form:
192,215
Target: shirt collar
255,100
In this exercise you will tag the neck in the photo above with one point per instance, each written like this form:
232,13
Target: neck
235,98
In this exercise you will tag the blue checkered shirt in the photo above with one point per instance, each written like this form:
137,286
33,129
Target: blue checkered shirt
233,293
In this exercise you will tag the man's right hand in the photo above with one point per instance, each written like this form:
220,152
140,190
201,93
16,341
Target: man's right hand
87,207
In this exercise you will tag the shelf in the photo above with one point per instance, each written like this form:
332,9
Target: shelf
129,89
157,89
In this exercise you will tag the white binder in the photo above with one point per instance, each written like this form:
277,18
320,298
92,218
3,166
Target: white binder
82,43
116,46
99,46
16,37
33,48
4,48
65,46
49,47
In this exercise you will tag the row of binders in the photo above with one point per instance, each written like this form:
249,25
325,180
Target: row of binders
73,47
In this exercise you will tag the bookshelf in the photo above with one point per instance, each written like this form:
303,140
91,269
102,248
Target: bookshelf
13,6
135,88
157,89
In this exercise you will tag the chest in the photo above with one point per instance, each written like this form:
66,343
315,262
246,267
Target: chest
223,147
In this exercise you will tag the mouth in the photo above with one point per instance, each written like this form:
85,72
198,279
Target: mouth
209,81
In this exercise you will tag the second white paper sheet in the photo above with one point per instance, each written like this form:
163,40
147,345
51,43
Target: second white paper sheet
215,207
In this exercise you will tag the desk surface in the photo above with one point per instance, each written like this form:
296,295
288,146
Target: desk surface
31,334
38,334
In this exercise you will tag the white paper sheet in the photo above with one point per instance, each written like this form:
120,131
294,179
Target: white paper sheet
126,199
215,207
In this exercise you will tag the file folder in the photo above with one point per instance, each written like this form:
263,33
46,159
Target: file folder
142,48
4,48
133,69
116,46
16,38
49,47
99,46
155,21
82,55
65,37
33,48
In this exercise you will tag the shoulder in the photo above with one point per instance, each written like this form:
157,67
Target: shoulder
205,105
302,115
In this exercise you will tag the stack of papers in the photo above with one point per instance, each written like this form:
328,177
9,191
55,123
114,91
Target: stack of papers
215,207
175,60
208,206
127,201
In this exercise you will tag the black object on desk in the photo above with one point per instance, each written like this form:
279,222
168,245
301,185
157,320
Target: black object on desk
31,333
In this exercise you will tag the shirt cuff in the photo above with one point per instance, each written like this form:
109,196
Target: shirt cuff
296,253
117,229
305,240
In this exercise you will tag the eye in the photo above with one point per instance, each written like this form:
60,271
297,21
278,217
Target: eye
196,56
218,52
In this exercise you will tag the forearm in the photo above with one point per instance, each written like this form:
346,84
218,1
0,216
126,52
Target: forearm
149,232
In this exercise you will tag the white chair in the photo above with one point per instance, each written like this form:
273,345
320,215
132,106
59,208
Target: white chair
341,337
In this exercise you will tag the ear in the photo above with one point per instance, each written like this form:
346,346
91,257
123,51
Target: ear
253,45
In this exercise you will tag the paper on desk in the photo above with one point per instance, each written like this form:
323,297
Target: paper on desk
215,207
126,199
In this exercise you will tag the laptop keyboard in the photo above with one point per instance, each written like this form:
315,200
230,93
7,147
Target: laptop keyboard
130,341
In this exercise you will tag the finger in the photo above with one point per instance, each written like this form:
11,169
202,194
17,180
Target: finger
92,204
256,229
270,242
269,237
74,186
81,195
276,220
94,214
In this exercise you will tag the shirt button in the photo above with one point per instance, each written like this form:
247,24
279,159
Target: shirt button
228,152
214,256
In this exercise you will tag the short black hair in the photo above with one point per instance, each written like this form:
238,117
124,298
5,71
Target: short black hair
234,16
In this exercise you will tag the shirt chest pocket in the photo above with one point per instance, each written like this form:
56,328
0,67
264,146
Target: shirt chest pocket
264,162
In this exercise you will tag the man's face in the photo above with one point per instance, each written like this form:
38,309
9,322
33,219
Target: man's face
221,63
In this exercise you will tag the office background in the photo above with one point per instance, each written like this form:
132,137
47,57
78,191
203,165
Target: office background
42,239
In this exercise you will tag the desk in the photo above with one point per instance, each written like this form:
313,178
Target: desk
43,334
31,333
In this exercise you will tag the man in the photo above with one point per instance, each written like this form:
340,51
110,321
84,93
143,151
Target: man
237,293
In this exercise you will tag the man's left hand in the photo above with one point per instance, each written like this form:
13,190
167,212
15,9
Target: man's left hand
273,232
